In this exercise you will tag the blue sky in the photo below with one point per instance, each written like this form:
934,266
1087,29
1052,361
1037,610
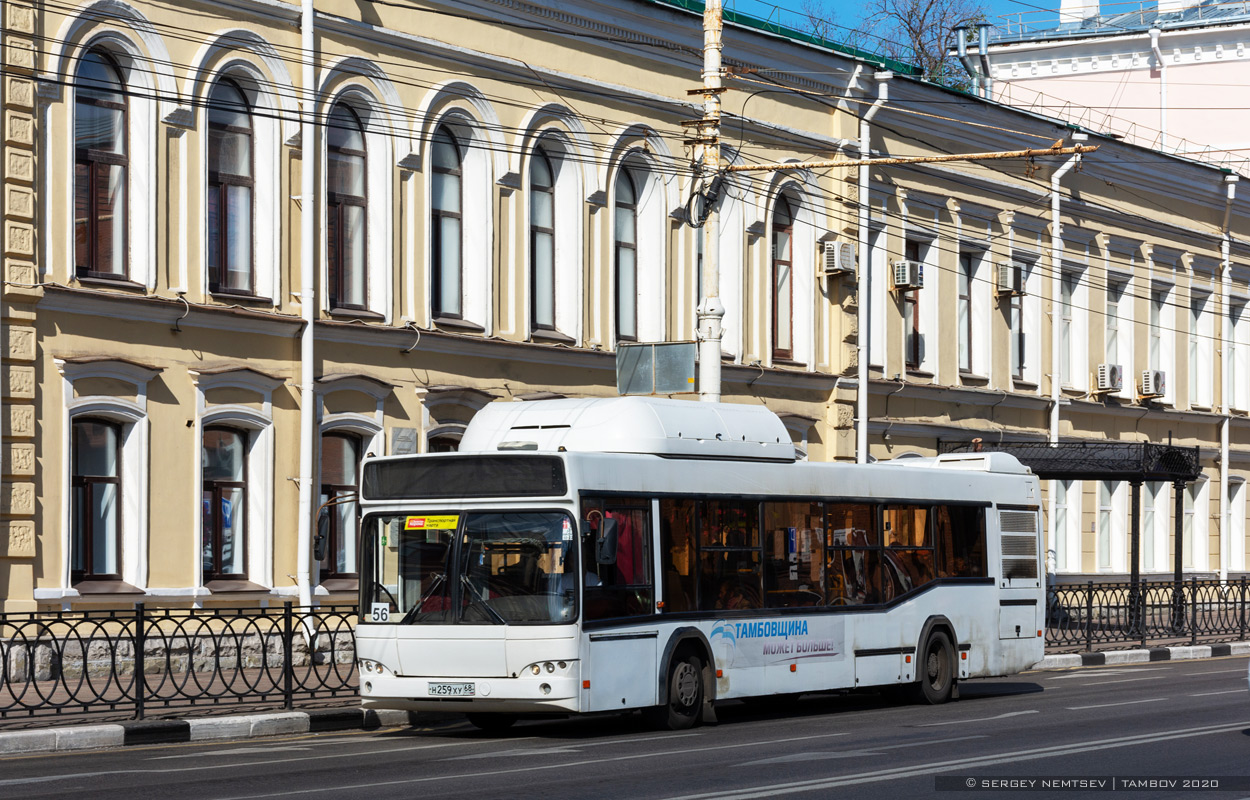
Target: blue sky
847,12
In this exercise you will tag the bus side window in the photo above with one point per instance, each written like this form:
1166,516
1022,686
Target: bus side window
729,555
677,554
960,533
853,554
624,588
794,554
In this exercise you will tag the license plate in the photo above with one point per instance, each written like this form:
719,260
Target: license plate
452,690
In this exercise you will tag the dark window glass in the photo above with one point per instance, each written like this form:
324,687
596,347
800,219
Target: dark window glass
465,476
445,225
794,554
853,555
100,168
223,464
626,257
346,227
95,538
230,185
960,534
783,280
678,526
340,472
729,555
911,315
542,242
967,273
622,589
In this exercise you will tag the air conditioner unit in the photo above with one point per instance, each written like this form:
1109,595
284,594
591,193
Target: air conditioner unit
1154,383
1110,377
839,258
1010,278
908,275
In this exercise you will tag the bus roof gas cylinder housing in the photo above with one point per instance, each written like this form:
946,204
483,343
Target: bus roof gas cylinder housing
652,425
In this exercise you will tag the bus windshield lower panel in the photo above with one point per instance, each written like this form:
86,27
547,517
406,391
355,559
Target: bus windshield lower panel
473,568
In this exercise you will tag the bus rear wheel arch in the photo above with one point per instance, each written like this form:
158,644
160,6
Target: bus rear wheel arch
685,685
935,670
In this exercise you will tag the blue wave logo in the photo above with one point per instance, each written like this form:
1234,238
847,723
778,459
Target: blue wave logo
724,641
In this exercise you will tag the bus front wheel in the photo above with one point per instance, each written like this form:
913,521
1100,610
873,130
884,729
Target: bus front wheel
937,671
492,723
685,695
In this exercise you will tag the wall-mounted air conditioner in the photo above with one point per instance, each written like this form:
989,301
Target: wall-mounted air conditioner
908,275
1010,278
1110,377
838,258
1154,383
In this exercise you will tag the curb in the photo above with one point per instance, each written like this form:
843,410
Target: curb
204,729
1106,657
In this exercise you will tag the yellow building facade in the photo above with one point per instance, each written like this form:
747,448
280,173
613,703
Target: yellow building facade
501,196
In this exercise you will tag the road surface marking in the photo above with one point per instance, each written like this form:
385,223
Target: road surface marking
1127,680
1226,691
983,719
1109,705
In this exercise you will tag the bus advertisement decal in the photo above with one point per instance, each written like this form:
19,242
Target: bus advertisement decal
428,523
757,643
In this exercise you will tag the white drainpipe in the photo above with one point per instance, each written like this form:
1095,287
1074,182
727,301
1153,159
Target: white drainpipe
308,305
1056,289
1226,388
1155,33
863,318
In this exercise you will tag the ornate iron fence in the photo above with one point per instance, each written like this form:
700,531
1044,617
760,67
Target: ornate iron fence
1080,616
138,660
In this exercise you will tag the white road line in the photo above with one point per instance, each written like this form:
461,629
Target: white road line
1097,673
922,770
1109,705
1219,672
983,719
1226,691
1127,680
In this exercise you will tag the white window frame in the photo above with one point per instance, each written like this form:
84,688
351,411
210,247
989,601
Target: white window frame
1196,530
567,244
1156,526
1031,322
1237,353
651,247
1122,312
1201,349
877,261
1067,526
981,291
1162,335
258,423
133,448
1111,542
1236,523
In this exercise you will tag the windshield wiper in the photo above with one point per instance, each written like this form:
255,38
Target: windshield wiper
473,597
434,584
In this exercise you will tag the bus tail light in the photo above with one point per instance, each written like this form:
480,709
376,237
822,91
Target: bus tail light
907,659
963,656
585,684
794,667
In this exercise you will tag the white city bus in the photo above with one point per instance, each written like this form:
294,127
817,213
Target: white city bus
639,553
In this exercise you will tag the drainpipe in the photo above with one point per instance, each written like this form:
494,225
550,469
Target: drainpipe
308,305
863,318
1226,385
983,52
970,67
1155,33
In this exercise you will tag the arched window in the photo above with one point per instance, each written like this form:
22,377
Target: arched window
95,511
346,209
99,168
340,465
445,219
223,460
783,280
542,242
626,258
230,184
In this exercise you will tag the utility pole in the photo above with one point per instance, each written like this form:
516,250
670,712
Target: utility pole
711,310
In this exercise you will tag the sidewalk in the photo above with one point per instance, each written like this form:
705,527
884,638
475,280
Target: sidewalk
100,735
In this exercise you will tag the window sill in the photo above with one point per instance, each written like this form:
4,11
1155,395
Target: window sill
89,587
357,313
919,373
788,362
971,379
223,585
107,282
231,297
341,584
1026,386
456,324
545,336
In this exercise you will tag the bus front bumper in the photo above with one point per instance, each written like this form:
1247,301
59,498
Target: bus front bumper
529,694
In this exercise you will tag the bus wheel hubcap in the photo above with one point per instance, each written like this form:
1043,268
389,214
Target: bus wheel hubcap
934,667
685,684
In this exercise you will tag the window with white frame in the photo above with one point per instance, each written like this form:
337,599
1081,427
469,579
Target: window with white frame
625,256
1201,346
963,312
1066,528
347,209
877,262
783,279
1118,329
913,327
223,470
1236,526
1237,354
1025,320
341,452
1162,335
229,199
542,199
101,168
95,507
1194,529
446,235
1154,526
1073,334
1111,533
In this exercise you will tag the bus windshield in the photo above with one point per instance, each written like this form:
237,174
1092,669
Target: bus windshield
491,568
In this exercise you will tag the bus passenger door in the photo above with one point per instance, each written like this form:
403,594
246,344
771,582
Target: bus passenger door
622,670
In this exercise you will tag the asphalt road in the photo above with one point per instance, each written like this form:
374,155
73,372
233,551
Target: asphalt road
1164,721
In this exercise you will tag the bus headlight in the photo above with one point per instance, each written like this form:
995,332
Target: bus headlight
549,667
536,669
369,667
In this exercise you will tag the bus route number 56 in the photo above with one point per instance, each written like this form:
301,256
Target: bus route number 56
380,612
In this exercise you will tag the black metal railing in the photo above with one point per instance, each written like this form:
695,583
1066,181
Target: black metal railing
137,660
1083,616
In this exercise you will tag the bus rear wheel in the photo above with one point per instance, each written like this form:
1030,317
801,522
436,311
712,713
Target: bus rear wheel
937,671
492,723
685,695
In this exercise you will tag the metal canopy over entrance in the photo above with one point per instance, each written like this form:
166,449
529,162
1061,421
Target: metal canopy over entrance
1135,462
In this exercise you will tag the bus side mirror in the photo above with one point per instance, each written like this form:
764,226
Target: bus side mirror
323,534
605,542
